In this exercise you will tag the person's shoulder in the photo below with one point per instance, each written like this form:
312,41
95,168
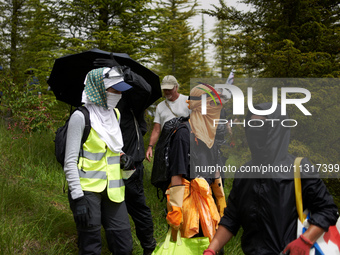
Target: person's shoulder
183,97
77,121
161,104
77,116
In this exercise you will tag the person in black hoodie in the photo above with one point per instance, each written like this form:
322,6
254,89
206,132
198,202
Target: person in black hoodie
264,205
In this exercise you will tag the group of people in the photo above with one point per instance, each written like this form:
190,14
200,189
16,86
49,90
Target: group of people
105,175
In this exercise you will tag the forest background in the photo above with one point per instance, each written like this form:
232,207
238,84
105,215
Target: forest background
272,39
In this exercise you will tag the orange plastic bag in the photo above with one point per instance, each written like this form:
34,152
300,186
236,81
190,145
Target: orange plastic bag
199,208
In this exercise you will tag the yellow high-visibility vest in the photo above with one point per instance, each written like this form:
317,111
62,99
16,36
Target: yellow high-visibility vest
99,168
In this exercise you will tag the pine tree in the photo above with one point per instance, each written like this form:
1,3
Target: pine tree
115,26
225,52
203,69
42,38
11,13
176,47
294,39
29,36
308,28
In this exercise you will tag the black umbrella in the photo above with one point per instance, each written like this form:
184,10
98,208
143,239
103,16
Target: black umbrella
68,74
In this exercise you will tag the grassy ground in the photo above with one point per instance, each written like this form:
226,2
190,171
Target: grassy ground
34,213
35,218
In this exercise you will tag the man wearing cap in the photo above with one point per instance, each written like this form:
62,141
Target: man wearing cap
93,172
173,106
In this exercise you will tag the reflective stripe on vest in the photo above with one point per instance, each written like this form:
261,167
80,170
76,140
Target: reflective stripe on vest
100,168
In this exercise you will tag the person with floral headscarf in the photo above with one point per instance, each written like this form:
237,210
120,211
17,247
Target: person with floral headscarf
93,171
191,207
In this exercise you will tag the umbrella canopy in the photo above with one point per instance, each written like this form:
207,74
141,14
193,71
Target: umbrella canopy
68,74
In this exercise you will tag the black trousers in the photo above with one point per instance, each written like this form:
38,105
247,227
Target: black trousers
115,220
137,208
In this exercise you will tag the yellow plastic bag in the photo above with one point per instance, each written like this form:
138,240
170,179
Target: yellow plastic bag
187,246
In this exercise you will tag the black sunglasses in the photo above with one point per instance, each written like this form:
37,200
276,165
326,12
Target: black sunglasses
195,98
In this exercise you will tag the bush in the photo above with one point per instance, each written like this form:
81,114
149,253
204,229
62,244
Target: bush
28,108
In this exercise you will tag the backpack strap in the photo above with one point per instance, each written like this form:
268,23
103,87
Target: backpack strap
298,189
117,113
167,104
87,128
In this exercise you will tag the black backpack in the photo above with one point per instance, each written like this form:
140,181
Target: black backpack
160,176
61,134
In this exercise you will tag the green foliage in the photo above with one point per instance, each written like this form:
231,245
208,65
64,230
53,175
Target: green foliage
320,131
35,217
205,70
112,26
29,108
175,50
226,52
284,38
291,62
30,38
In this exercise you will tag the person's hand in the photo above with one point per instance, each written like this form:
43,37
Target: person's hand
300,246
82,211
148,154
105,62
175,195
221,205
217,187
126,162
175,218
209,252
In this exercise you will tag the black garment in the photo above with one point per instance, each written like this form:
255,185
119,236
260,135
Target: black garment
264,205
179,157
114,218
220,140
266,210
221,130
138,210
132,122
133,127
184,158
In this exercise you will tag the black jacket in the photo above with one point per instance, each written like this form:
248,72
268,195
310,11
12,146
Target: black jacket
131,107
264,206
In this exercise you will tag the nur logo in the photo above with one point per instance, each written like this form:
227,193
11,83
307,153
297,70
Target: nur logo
204,97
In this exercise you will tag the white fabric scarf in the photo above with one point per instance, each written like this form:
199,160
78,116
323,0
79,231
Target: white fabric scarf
105,123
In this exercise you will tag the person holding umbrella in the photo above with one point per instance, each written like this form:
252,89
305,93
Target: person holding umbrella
133,128
96,187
